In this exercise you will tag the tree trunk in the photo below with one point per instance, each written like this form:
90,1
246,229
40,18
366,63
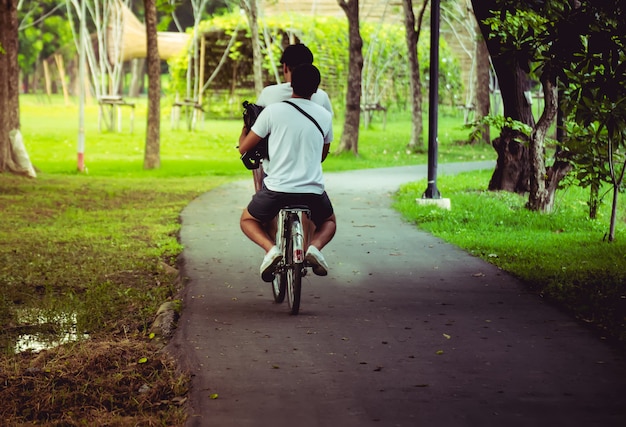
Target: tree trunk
5,143
137,73
13,155
13,84
617,184
543,183
512,171
511,71
481,90
152,158
416,142
350,136
251,9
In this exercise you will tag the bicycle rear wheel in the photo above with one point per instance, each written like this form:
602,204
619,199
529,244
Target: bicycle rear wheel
294,266
279,286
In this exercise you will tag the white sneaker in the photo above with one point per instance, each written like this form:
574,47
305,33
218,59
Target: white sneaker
270,260
316,260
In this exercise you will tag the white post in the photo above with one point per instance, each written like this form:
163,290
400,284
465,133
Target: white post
81,91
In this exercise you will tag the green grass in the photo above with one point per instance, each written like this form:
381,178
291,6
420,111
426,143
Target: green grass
562,256
51,135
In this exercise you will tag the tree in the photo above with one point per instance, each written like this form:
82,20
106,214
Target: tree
462,24
512,68
576,45
594,96
482,82
13,156
350,135
529,33
152,151
412,37
250,6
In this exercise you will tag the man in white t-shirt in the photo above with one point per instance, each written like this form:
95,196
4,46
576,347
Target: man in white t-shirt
297,148
293,56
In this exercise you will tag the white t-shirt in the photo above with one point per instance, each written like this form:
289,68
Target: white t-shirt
295,145
283,91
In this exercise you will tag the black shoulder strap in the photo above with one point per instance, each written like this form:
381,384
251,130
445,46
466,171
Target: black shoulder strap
307,115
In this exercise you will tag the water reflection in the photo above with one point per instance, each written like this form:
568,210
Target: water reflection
43,329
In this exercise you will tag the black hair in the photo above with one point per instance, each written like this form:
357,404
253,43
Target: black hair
305,80
295,55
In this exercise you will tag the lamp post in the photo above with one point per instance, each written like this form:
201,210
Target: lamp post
433,100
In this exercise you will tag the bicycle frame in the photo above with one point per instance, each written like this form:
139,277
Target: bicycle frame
291,240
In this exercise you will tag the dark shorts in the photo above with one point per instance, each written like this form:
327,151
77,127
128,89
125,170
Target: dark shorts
266,203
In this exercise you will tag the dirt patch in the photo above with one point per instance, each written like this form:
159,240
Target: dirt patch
106,383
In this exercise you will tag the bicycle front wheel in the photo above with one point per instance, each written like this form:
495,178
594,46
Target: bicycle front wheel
294,287
294,264
279,286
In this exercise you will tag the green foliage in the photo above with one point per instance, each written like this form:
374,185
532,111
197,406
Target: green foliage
40,38
499,122
385,73
595,95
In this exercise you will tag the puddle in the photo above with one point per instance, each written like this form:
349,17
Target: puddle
43,329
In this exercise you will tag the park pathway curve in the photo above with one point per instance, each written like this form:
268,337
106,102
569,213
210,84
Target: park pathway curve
406,330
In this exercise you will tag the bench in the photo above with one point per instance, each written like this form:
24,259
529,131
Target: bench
190,106
368,111
114,101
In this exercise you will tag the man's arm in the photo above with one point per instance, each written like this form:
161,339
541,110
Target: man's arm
248,142
325,151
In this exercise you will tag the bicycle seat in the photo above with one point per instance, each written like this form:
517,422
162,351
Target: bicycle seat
293,207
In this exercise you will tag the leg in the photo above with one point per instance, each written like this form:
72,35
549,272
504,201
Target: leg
253,228
324,233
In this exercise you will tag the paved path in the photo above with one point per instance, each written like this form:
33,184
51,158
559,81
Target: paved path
405,331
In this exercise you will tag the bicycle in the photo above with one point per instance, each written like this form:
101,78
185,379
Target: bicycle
291,240
290,236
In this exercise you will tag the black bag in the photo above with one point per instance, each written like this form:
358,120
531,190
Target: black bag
252,159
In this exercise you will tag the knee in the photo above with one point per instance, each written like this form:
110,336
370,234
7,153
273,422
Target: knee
328,226
246,219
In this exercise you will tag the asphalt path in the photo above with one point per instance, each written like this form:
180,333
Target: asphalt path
406,330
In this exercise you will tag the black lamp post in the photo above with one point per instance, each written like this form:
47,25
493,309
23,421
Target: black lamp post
433,100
